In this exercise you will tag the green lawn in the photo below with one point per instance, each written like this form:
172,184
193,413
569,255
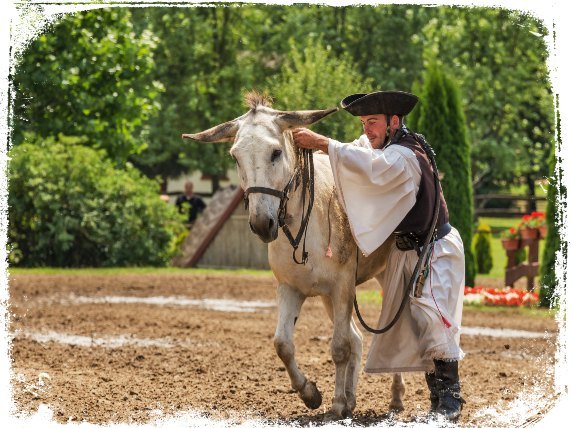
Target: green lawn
136,270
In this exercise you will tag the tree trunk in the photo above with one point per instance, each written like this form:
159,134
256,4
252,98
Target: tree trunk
163,185
531,198
215,183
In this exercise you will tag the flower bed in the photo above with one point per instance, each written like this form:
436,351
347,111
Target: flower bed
499,296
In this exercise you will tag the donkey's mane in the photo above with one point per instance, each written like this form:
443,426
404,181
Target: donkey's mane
253,99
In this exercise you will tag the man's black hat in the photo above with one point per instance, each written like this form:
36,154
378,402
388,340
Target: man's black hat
383,102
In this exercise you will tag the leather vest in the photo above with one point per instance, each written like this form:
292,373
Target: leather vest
418,219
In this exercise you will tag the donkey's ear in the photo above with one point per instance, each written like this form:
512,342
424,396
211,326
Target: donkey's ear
223,133
295,119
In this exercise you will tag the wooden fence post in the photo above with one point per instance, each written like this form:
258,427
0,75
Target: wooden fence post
529,269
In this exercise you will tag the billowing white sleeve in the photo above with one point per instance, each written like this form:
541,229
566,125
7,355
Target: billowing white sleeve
376,187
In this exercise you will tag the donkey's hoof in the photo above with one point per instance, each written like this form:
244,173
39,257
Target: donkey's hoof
396,406
339,411
351,401
311,396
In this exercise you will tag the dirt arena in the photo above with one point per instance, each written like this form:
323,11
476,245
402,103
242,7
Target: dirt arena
126,348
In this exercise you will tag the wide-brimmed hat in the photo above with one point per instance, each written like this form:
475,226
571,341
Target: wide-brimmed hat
383,102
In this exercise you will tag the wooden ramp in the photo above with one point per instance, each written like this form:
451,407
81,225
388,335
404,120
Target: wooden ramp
221,237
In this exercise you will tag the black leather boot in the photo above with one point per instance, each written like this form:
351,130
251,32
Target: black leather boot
433,396
448,389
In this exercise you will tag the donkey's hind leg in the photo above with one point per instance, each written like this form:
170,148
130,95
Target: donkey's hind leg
397,392
354,363
289,304
341,347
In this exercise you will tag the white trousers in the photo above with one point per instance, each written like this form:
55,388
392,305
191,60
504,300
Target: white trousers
429,326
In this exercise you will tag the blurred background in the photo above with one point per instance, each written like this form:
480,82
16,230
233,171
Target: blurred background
101,97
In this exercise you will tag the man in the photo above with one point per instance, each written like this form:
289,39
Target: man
385,182
194,202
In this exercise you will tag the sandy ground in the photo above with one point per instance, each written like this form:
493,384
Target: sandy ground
222,363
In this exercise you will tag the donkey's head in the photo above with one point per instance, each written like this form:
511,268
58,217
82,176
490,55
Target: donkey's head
265,154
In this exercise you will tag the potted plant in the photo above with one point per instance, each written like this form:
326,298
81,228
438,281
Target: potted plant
510,239
529,227
541,223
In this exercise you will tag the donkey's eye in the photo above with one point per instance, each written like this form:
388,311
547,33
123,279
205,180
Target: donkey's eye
275,155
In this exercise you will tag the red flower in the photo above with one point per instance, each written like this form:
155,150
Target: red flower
504,297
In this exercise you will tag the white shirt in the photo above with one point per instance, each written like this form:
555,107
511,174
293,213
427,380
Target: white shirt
377,188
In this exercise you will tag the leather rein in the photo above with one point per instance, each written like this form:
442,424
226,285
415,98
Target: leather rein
421,269
305,173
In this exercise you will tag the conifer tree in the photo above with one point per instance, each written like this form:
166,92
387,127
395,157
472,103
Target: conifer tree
440,118
554,216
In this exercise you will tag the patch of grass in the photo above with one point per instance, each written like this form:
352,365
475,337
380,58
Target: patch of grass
136,270
500,223
521,310
369,297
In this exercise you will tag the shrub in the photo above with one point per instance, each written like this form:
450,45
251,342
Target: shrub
482,248
69,207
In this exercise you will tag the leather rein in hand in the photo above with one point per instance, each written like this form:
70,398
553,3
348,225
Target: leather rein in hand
305,172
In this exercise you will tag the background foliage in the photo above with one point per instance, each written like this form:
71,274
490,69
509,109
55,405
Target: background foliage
439,117
311,78
554,244
89,76
128,82
70,207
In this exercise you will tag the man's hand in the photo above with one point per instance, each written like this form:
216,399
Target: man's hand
306,139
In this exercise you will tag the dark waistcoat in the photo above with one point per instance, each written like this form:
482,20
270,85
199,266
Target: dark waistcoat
418,219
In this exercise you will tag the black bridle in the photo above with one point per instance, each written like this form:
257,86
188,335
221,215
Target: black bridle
305,173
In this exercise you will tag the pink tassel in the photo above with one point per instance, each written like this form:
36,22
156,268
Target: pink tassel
445,321
329,252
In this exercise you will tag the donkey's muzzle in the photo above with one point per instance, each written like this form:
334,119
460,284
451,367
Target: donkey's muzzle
266,228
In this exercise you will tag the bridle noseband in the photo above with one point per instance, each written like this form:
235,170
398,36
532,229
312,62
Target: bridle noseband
305,172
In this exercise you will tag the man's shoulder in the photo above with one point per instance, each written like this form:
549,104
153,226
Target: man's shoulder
404,147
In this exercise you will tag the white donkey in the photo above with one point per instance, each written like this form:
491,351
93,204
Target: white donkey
267,158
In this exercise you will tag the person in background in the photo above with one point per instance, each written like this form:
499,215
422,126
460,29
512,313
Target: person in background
195,204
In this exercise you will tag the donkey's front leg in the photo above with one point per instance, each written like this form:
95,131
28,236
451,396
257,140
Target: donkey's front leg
289,304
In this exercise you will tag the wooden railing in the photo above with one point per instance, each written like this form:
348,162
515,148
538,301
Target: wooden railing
518,211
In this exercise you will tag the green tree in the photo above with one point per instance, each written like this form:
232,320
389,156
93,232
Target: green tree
554,217
440,118
313,78
88,75
205,58
69,207
382,42
499,58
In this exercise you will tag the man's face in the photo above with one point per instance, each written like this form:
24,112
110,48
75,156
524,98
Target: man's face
374,127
